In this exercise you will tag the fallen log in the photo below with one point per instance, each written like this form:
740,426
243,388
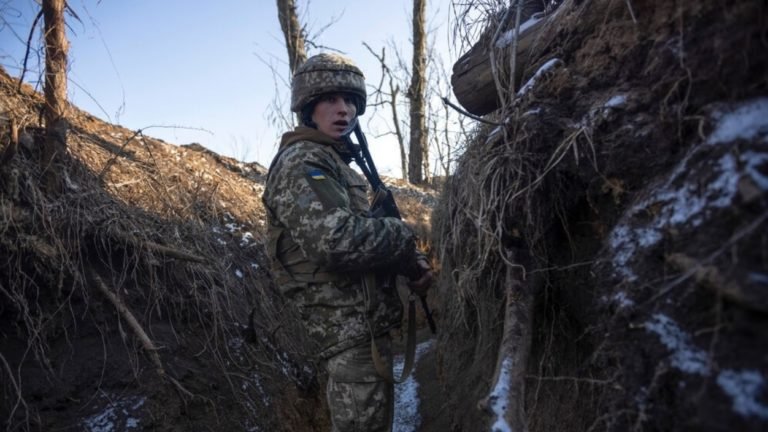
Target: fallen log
480,77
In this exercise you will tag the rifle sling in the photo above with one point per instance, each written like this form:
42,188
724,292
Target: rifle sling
410,350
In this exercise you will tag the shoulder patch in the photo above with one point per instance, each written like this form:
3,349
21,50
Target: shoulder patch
316,174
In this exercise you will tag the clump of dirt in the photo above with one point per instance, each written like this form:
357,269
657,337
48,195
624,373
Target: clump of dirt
636,176
140,296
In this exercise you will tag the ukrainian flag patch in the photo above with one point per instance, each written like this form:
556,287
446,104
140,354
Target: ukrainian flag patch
316,174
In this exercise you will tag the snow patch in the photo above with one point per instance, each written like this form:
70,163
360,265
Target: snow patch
499,397
685,356
238,273
616,102
116,416
508,36
623,244
748,121
246,239
531,112
253,390
622,300
532,81
255,382
743,388
684,199
407,418
752,161
493,134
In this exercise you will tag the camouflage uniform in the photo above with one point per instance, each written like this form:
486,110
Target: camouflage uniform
321,244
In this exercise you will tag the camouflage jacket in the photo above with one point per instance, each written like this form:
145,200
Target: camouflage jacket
321,243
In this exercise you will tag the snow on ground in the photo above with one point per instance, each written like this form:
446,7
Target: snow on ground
120,414
622,300
685,356
407,418
491,136
532,81
752,161
743,387
508,36
499,398
686,199
532,112
247,239
616,101
747,121
254,396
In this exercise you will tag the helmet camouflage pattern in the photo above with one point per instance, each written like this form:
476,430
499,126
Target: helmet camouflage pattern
327,73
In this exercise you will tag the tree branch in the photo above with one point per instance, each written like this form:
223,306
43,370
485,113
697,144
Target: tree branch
133,323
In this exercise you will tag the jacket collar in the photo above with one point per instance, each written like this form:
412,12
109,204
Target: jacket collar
303,133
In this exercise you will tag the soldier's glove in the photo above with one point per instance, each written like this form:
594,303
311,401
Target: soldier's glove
420,279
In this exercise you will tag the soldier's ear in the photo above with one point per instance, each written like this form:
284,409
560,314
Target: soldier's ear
306,114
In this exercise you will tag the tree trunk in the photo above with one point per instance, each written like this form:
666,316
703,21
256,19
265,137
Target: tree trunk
395,90
292,31
473,80
55,92
418,142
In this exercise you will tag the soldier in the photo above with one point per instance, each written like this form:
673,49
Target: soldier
324,248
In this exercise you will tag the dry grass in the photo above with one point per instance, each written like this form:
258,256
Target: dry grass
146,236
156,252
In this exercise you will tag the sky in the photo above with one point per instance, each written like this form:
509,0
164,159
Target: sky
212,68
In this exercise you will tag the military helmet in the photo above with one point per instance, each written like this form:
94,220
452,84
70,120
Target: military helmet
327,73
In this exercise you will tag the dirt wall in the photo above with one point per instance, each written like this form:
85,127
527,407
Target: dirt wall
635,172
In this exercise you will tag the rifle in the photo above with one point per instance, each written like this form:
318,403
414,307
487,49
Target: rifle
384,204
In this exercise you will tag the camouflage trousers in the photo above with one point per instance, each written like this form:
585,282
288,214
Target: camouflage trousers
359,399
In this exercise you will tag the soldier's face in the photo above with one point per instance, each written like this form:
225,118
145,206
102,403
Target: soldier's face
333,113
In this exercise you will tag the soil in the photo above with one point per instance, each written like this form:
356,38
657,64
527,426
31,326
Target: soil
647,254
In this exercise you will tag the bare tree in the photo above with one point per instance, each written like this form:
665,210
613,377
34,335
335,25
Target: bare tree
418,151
55,91
293,33
439,131
380,97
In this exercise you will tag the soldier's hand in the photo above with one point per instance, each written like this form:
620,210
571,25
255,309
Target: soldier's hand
421,284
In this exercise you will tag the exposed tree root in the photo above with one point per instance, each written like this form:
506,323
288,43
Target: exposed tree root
19,398
133,323
507,398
